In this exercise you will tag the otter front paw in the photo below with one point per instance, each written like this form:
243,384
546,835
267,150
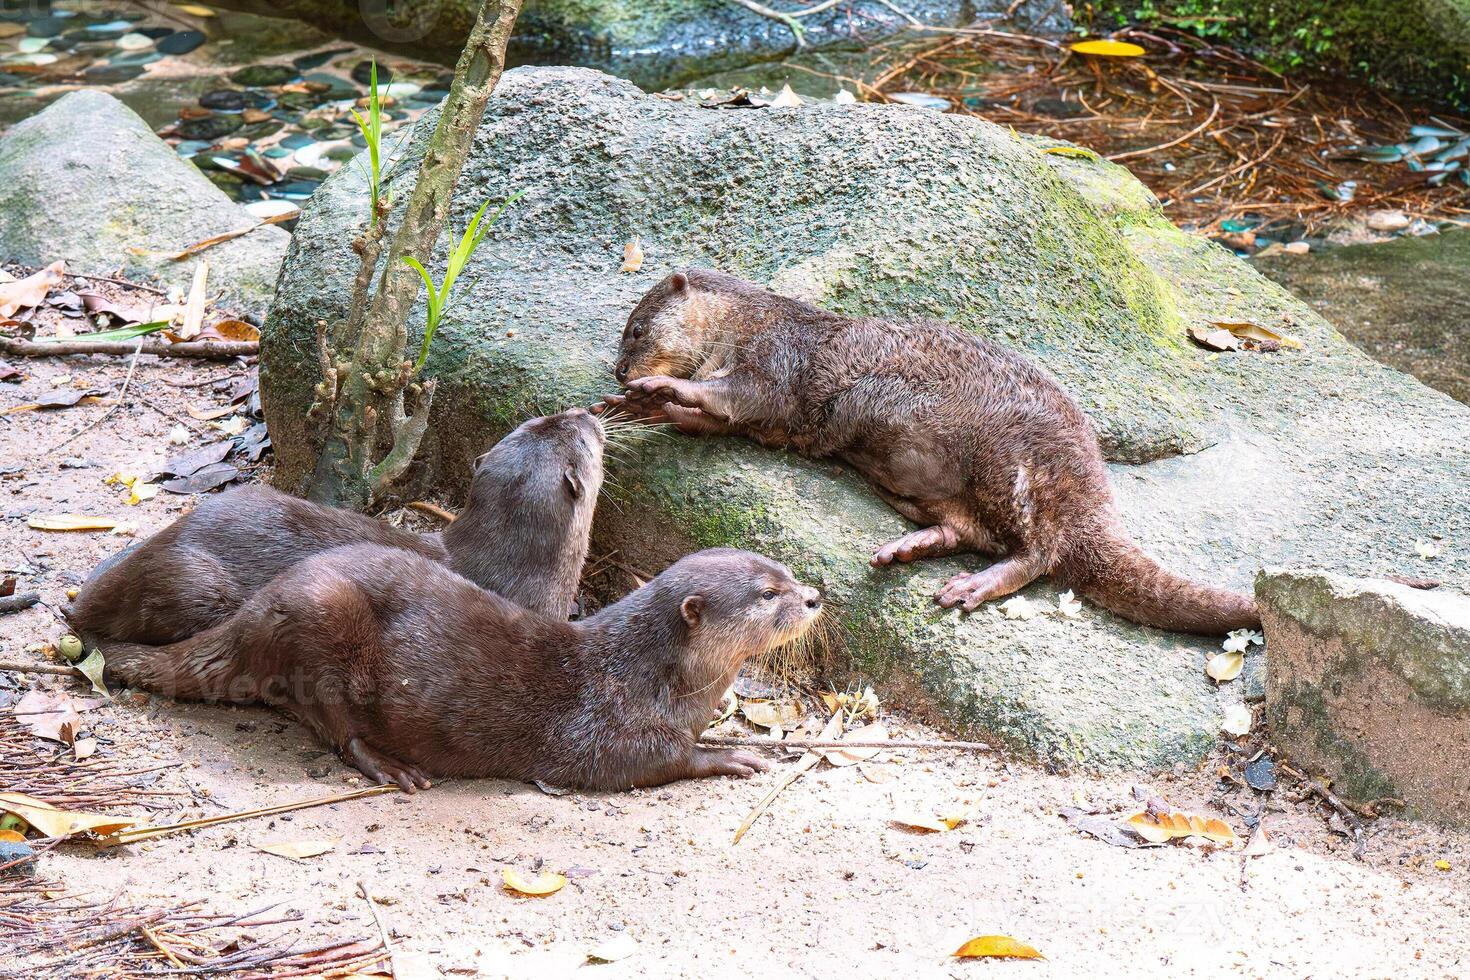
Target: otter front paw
656,389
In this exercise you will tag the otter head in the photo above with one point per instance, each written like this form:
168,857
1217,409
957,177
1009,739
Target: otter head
738,604
547,473
667,331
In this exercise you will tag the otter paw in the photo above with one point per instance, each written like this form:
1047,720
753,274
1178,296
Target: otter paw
734,762
967,591
384,769
930,542
658,388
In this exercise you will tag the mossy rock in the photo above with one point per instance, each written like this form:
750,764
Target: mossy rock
87,181
1238,460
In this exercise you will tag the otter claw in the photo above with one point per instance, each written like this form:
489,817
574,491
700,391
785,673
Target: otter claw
383,769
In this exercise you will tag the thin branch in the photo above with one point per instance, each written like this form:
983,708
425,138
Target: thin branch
818,743
212,350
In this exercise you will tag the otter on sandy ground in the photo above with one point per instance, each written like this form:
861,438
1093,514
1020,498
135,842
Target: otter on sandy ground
523,534
409,670
957,433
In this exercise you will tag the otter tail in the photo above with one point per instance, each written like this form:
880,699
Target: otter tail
1121,578
201,668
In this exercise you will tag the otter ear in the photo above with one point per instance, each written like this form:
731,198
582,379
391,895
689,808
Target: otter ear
691,609
574,485
679,282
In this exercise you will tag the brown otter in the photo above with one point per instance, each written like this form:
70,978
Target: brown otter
968,439
409,670
523,534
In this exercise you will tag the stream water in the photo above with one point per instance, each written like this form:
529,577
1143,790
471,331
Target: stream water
262,106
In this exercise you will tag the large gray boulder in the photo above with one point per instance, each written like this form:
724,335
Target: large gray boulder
1369,683
86,180
1234,461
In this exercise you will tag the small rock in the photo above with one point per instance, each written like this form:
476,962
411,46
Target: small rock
181,42
223,100
1388,222
210,128
259,76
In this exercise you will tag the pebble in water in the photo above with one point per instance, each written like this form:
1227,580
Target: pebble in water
181,42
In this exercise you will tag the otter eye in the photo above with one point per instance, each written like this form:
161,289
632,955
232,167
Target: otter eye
637,330
769,594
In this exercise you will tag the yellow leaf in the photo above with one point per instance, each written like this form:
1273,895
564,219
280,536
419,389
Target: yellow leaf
1442,865
297,849
875,732
12,837
997,947
194,9
141,492
1163,827
51,821
1225,666
70,522
546,883
1109,49
1082,153
935,824
1258,333
632,256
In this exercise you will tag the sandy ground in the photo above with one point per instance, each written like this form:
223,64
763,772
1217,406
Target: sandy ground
824,884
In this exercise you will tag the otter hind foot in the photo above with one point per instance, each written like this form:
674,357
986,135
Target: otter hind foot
727,762
1000,579
383,768
930,542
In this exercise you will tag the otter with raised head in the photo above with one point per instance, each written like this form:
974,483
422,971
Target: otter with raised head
410,671
523,534
958,434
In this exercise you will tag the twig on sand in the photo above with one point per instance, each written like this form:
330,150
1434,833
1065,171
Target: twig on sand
211,350
816,743
1214,111
807,761
134,834
19,601
59,669
433,510
122,397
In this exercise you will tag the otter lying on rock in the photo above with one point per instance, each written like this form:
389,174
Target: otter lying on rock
523,534
409,670
968,439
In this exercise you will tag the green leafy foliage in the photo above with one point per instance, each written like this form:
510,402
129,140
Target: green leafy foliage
131,332
438,297
372,133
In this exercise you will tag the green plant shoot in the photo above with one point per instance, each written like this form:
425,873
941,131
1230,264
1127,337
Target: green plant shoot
438,298
372,134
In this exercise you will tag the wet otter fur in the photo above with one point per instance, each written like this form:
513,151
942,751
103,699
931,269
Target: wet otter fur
524,534
410,671
957,433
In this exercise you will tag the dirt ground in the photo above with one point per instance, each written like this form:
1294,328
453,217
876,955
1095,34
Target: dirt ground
825,883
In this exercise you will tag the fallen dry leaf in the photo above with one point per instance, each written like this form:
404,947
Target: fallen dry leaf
786,98
1224,667
997,947
1018,607
205,414
52,821
70,522
1237,720
229,330
298,849
84,748
12,837
546,883
50,716
61,398
193,320
92,668
876,732
24,294
1159,828
938,824
632,257
619,947
784,715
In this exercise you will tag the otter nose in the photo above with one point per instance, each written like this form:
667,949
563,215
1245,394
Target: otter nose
813,598
622,371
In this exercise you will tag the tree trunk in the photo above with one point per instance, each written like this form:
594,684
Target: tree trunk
371,388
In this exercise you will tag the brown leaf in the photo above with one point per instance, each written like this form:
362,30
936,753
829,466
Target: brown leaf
1214,339
632,257
53,717
30,292
876,732
1162,827
229,330
194,308
61,398
206,414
